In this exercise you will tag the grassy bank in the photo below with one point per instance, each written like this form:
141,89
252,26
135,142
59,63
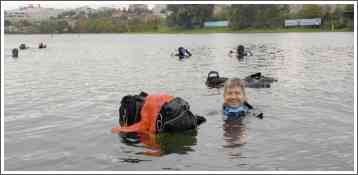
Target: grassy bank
249,30
167,30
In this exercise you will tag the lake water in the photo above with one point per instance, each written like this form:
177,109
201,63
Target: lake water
61,102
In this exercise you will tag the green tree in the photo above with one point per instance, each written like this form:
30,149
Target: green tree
310,11
47,26
243,15
61,26
257,15
7,23
188,15
224,14
25,23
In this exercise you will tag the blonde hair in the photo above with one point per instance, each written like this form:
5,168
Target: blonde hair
232,83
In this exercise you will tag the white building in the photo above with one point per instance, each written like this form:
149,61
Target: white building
139,7
159,10
85,10
31,13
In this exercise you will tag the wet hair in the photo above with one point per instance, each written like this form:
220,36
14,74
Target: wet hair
232,83
240,50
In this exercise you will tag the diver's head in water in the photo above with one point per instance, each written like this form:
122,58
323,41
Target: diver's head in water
15,52
181,50
234,92
240,50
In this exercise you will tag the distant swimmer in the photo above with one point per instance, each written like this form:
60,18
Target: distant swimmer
183,53
240,52
15,52
155,114
23,46
42,45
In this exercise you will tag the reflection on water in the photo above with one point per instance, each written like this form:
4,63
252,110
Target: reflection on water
235,133
163,143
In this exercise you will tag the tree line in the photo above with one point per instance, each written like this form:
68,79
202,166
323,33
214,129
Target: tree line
190,16
243,16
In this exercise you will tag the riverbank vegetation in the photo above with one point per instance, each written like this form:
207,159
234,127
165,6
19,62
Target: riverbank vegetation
188,18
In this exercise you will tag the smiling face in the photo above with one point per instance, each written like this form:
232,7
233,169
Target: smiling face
234,97
234,93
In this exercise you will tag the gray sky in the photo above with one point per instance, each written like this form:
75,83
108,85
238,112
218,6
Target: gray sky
10,5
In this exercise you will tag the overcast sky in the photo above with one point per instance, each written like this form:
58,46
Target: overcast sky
10,5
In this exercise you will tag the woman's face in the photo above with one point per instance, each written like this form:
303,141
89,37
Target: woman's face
234,97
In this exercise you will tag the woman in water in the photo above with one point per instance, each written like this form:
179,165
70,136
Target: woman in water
235,100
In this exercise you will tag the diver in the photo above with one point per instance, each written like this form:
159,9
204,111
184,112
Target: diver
240,52
257,80
183,53
23,46
15,52
42,45
155,114
214,80
235,101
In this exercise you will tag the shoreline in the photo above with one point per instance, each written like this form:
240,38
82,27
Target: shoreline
206,31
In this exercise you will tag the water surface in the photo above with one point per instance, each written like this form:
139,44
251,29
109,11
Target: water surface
61,102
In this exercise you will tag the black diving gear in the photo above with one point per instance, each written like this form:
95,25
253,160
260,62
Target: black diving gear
241,52
176,116
182,53
165,113
214,80
23,46
42,46
15,52
129,111
257,80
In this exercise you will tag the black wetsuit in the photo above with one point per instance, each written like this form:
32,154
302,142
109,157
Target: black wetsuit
182,53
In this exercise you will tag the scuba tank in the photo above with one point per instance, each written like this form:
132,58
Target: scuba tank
129,110
176,116
155,114
257,80
214,80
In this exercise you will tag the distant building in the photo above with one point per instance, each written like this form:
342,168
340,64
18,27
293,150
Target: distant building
106,9
217,24
294,8
138,7
160,10
31,13
219,8
119,14
303,22
85,10
292,22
